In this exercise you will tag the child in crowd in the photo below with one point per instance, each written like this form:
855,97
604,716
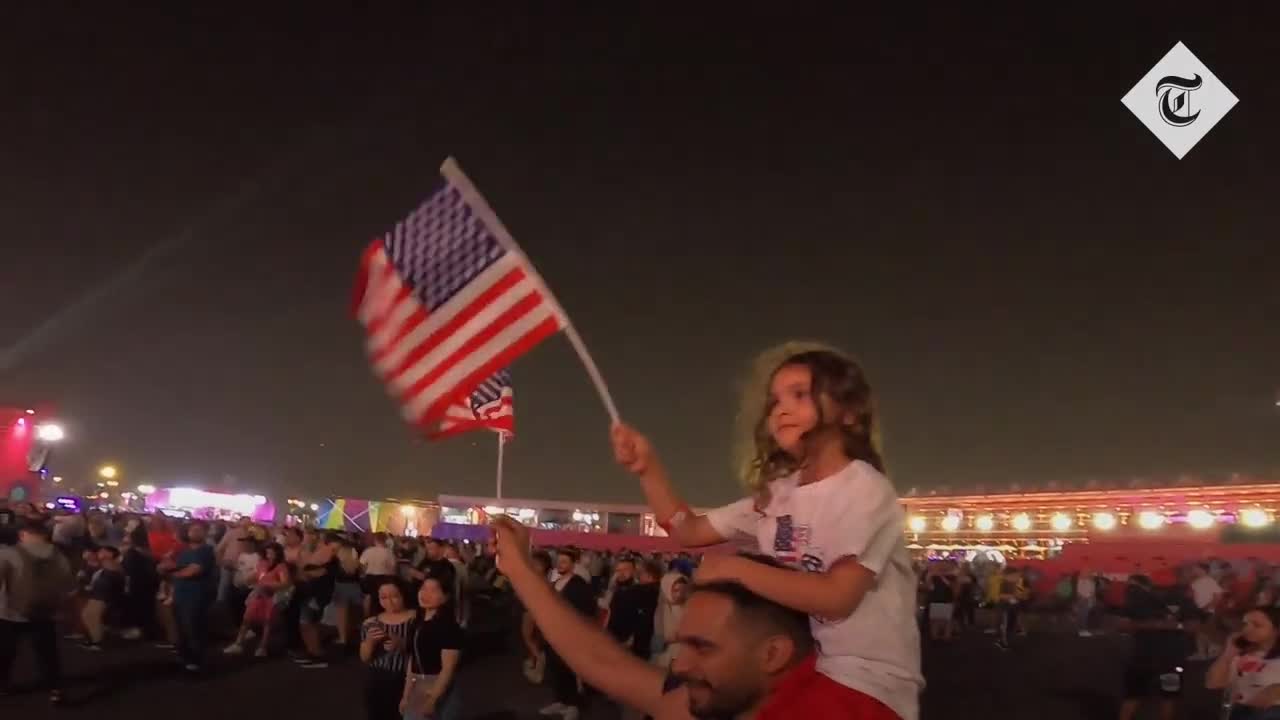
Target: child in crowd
820,502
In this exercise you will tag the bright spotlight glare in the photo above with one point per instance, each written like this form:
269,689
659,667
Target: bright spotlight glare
984,523
1104,521
146,489
1200,519
1150,520
917,524
1061,522
50,432
951,523
1254,517
1021,522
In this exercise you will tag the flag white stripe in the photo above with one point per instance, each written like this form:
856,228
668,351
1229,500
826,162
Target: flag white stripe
460,336
440,317
381,286
416,406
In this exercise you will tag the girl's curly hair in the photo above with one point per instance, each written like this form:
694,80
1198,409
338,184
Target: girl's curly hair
758,458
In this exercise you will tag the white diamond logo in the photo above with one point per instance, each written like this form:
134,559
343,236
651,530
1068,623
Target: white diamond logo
1180,100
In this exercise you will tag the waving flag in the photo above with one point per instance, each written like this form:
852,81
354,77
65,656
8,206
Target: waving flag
490,407
447,302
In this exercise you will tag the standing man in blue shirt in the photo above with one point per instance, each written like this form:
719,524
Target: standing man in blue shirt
193,572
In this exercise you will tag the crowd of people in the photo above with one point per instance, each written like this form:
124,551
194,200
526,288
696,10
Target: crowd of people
823,620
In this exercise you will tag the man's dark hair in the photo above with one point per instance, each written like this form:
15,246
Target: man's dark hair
758,612
571,552
652,568
36,527
111,550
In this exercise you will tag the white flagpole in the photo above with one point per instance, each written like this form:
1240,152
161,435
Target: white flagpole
502,442
453,173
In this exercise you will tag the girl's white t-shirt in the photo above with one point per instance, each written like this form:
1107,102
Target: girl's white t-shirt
1251,674
853,513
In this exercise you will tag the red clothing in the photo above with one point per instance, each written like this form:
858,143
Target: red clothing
162,543
806,693
1164,577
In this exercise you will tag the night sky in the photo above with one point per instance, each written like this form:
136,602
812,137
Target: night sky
1039,290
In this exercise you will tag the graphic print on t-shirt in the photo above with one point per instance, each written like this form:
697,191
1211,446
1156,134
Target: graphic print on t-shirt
789,540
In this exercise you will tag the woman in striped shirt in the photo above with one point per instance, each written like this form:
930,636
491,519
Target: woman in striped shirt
384,648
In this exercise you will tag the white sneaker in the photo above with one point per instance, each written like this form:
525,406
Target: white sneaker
131,634
261,652
233,649
250,634
1085,633
570,713
554,709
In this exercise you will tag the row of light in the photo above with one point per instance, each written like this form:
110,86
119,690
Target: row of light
294,502
1062,522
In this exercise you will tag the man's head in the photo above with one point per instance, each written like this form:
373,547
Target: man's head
197,531
435,549
625,571
109,556
650,572
565,560
34,532
736,646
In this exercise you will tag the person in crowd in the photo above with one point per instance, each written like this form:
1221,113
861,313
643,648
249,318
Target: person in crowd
348,601
193,573
315,584
820,501
434,564
384,645
966,598
632,608
1249,667
624,576
461,602
666,620
435,648
34,580
941,597
1207,595
1013,593
228,549
106,595
748,657
138,615
1086,599
270,591
566,690
1159,645
377,568
243,574
89,566
535,663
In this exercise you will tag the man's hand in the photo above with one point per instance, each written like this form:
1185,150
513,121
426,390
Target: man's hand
511,542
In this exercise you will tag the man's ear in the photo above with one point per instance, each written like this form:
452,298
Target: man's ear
776,654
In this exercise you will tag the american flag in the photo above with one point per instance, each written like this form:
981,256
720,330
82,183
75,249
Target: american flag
490,406
447,301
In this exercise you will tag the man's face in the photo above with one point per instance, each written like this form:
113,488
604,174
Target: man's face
625,572
720,662
564,564
196,533
435,551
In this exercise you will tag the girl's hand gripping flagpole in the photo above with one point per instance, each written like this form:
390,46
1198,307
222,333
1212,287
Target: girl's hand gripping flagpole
454,175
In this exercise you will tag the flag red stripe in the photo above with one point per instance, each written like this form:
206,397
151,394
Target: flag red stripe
482,301
522,307
524,344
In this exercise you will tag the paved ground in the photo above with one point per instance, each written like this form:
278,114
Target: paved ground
1051,676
